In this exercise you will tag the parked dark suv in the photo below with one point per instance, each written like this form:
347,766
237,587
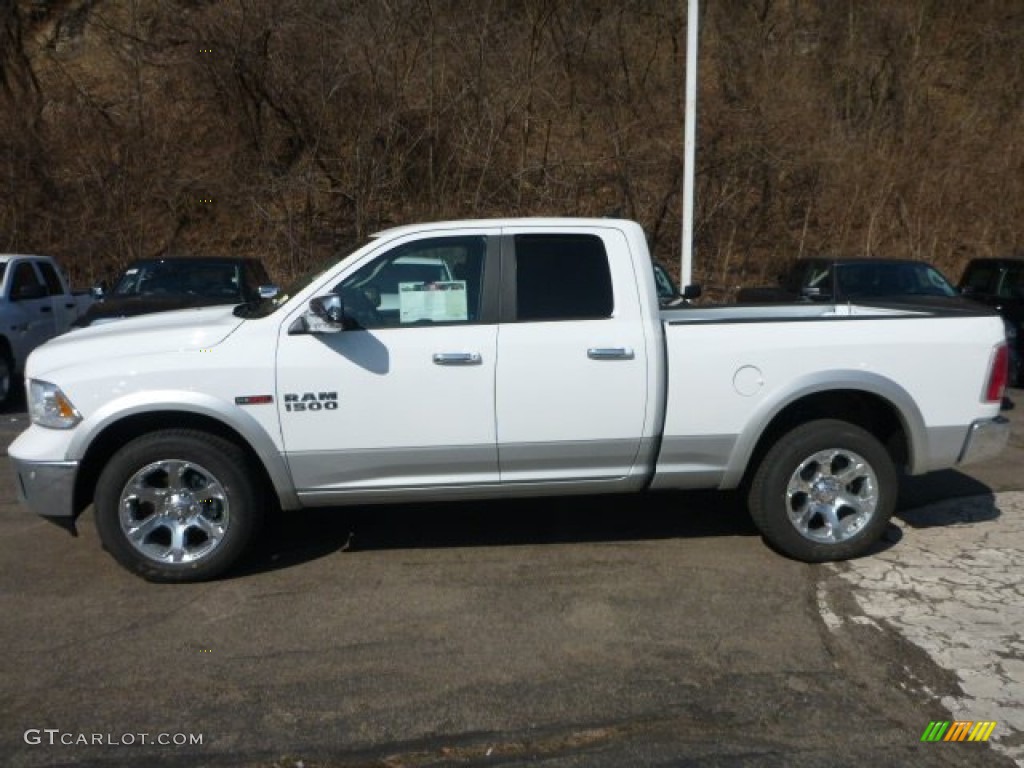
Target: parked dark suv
160,285
1000,284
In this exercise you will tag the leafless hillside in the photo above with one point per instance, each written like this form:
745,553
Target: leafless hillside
290,129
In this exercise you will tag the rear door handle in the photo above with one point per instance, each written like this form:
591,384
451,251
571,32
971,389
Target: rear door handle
46,309
457,358
610,353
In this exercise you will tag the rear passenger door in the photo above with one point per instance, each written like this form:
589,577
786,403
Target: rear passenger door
63,303
571,381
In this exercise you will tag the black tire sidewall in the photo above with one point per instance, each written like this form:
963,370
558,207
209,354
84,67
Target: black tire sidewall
8,363
225,460
767,491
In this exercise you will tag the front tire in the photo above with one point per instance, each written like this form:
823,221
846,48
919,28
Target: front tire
825,491
178,505
6,378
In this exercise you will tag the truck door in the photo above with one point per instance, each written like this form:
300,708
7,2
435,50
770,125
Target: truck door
572,389
65,310
32,317
404,397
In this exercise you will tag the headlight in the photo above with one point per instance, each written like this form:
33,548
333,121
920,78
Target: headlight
49,407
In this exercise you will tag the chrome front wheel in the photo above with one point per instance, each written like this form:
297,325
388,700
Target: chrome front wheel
178,505
174,511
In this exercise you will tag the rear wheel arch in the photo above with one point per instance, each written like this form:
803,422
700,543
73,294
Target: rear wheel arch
870,411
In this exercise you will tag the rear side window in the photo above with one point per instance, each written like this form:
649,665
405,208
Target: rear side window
53,284
562,277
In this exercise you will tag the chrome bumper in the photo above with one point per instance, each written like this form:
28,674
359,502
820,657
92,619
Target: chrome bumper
986,438
47,487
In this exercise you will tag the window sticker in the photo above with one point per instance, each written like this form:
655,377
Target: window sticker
436,302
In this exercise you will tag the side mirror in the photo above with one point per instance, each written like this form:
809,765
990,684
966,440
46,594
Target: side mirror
692,291
812,292
326,314
98,290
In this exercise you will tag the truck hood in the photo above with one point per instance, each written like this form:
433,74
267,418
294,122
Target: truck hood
117,307
180,331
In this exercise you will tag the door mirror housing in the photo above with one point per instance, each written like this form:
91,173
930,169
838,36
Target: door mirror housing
326,314
812,292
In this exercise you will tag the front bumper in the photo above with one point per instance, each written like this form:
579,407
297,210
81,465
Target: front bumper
47,487
985,438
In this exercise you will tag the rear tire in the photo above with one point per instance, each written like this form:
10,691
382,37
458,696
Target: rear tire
178,505
825,491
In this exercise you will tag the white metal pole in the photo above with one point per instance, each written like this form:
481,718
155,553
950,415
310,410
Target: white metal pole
689,143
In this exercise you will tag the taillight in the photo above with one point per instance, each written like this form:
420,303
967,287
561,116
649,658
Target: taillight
998,375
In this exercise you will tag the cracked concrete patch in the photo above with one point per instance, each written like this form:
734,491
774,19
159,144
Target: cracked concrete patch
952,586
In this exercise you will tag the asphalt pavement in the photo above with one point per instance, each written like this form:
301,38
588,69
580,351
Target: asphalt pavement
612,631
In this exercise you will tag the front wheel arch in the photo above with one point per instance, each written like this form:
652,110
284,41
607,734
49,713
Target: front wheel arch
115,435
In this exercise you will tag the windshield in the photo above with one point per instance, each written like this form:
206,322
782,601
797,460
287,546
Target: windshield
265,307
179,278
666,286
879,279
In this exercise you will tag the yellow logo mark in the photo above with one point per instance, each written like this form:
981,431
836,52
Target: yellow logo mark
982,730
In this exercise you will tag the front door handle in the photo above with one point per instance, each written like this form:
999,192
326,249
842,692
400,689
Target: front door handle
610,353
457,358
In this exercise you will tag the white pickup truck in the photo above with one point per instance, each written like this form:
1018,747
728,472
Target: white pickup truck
540,364
36,304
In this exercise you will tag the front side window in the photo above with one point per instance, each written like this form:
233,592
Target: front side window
25,281
426,282
562,277
979,278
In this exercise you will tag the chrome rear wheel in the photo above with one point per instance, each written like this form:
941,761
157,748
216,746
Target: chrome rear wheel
824,491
